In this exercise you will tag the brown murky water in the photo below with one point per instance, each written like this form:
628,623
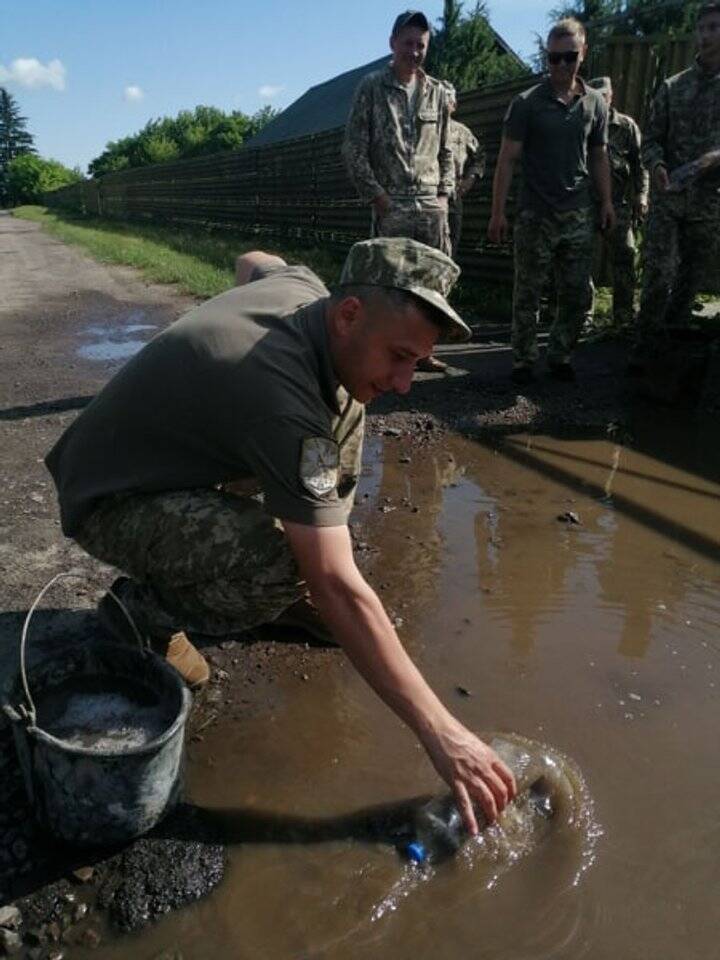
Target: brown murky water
600,638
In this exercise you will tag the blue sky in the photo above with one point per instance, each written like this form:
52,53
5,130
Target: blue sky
89,71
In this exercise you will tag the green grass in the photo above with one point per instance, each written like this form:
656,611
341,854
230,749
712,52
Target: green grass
199,261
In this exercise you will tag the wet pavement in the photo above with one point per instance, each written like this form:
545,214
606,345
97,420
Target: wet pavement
551,561
598,637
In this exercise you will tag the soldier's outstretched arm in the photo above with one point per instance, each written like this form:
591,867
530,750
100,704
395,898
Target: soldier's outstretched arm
510,153
357,618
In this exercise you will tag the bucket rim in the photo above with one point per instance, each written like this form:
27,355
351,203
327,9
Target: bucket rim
32,729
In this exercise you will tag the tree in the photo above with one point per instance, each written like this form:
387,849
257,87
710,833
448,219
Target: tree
190,134
30,176
14,138
640,18
467,51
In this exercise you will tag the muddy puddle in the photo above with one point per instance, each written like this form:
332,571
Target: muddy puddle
564,589
116,341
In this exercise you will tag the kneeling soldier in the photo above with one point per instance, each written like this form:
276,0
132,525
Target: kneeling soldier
264,387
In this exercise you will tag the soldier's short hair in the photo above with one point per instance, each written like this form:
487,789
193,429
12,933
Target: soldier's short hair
387,296
567,27
706,9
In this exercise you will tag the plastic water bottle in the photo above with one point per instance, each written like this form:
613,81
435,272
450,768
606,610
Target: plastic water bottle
439,831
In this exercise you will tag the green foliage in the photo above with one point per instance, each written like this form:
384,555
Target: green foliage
199,260
639,18
191,133
30,176
14,139
465,50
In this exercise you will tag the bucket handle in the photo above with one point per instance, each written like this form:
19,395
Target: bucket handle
29,712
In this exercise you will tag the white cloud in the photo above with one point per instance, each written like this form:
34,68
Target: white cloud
29,72
270,90
133,93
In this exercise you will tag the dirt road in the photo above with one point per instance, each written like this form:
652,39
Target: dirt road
56,305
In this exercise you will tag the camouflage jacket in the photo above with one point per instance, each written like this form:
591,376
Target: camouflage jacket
468,154
684,122
386,152
626,166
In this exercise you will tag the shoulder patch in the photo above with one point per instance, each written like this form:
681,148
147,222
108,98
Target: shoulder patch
319,465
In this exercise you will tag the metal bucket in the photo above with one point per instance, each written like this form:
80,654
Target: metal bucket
101,739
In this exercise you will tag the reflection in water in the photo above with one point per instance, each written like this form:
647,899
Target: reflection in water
115,341
602,635
110,349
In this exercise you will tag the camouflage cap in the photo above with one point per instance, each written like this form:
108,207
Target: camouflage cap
410,18
403,264
603,84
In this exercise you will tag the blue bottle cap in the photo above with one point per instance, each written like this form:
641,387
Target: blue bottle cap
416,852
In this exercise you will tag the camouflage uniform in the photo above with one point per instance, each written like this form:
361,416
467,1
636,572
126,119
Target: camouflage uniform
554,226
391,149
469,158
680,252
630,184
200,560
562,239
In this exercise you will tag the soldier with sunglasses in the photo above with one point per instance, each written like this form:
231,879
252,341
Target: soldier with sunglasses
559,131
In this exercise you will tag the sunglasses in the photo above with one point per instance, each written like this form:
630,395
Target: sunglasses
569,57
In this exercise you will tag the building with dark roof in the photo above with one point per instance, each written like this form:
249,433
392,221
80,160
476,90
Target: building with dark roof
327,105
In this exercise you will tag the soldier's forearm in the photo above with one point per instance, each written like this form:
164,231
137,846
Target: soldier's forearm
601,175
501,186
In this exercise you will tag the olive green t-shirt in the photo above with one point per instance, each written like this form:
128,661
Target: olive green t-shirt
555,138
241,388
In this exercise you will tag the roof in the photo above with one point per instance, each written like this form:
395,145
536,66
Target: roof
327,105
323,107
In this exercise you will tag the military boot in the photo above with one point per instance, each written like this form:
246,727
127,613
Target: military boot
175,648
303,615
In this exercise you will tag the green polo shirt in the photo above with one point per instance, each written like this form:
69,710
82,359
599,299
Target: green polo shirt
556,138
241,388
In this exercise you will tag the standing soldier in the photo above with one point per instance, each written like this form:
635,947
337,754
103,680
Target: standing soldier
559,129
681,239
469,158
630,187
397,145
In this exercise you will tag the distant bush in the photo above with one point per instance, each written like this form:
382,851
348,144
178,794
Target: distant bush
190,134
29,177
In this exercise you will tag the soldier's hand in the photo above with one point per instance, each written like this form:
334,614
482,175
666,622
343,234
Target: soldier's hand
661,179
465,185
608,219
474,772
443,200
381,204
641,210
498,228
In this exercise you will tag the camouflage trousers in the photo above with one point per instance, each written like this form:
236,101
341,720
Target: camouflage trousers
455,218
620,248
562,242
199,560
422,218
680,257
